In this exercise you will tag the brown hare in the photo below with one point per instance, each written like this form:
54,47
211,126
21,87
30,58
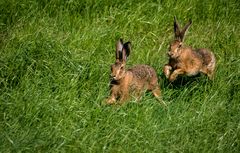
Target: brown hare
131,81
186,60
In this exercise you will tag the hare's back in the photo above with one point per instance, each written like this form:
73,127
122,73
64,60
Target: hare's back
206,55
143,72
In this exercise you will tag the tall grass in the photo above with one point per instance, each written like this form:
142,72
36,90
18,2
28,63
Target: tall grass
55,57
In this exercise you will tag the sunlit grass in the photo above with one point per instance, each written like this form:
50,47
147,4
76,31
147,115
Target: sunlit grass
55,59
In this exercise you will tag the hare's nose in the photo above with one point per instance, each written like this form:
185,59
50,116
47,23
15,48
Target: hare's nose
113,75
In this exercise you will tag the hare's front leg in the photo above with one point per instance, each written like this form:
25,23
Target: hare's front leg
124,94
124,98
113,96
167,70
175,73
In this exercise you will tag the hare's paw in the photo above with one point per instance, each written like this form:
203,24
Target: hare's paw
110,101
167,70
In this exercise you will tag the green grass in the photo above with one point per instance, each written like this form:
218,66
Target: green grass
55,59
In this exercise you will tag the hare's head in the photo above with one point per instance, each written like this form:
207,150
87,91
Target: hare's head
175,49
122,52
176,44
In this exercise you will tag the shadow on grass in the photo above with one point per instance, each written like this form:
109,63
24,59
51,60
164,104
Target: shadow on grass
184,81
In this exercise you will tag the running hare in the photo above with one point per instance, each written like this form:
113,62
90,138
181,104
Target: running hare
131,81
186,60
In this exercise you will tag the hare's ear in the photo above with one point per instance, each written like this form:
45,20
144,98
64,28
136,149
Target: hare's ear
185,28
126,50
119,48
177,32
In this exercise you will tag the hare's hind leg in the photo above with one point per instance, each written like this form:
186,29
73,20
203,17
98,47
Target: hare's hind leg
154,88
211,67
157,93
211,70
208,72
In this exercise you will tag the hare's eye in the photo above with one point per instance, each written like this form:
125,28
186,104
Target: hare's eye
180,45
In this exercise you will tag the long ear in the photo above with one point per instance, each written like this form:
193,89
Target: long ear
119,48
126,50
185,28
177,32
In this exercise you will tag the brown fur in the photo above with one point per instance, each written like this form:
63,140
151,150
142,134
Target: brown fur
134,81
185,60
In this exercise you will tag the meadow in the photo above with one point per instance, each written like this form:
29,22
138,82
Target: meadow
55,59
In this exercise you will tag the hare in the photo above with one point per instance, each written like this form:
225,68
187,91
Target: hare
130,81
186,60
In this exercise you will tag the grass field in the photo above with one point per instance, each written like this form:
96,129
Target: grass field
55,59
